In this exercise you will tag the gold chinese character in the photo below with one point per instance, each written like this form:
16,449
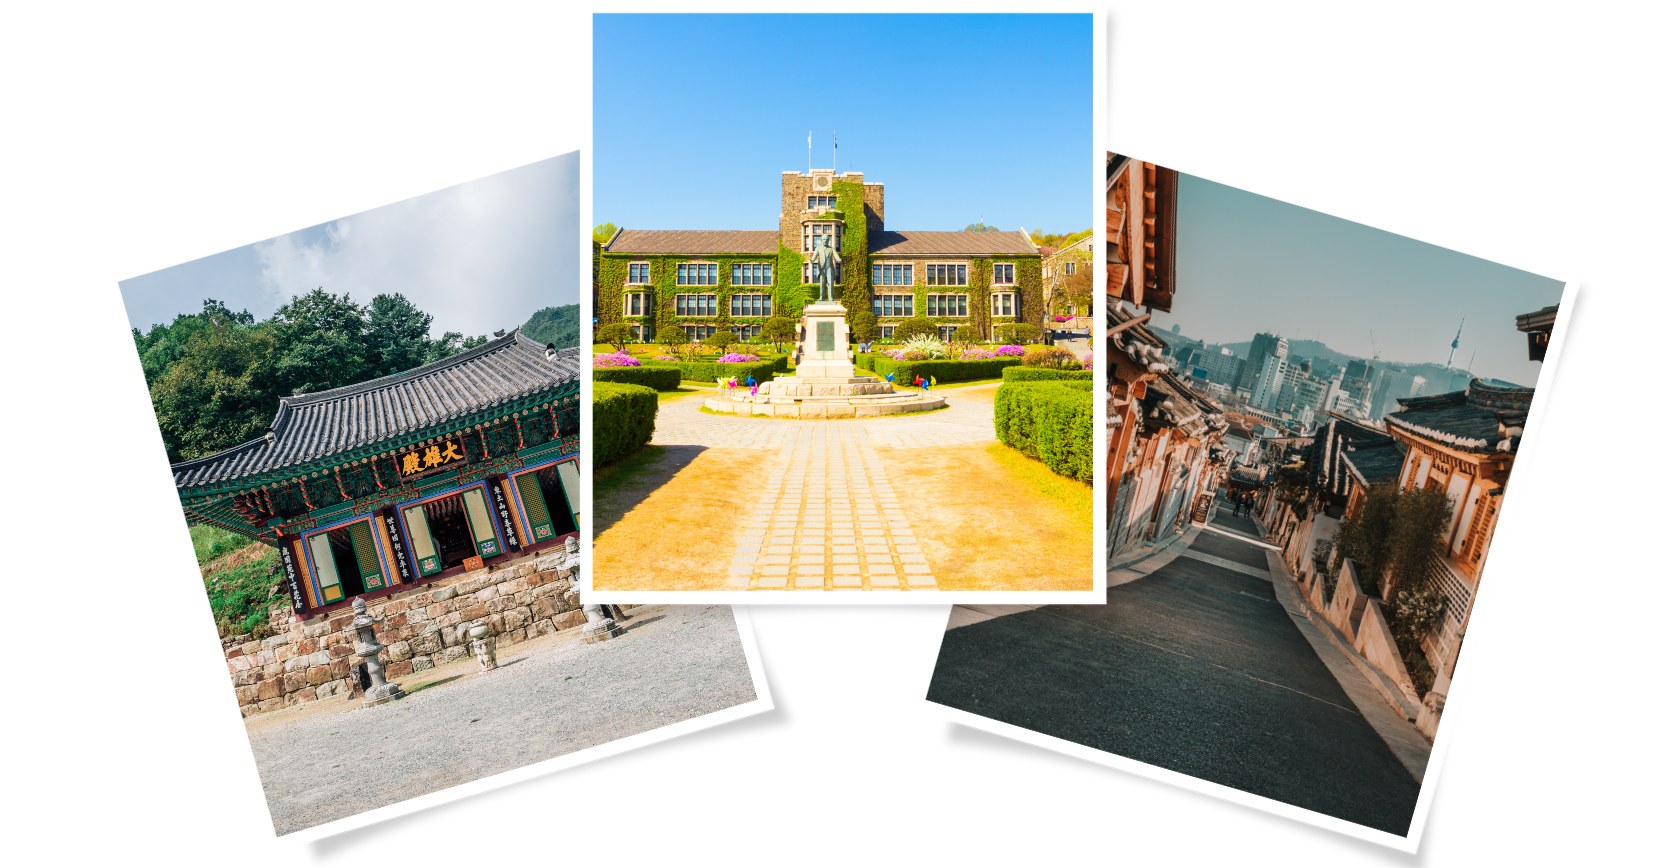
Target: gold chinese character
451,453
432,457
411,463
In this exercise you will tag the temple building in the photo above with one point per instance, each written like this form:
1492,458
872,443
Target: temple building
366,489
705,280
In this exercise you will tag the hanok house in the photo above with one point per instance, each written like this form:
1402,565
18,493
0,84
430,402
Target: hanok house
367,489
706,280
1465,444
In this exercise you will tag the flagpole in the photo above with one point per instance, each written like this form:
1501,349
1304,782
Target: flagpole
807,154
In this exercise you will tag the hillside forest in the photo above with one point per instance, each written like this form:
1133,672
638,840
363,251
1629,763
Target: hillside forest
216,376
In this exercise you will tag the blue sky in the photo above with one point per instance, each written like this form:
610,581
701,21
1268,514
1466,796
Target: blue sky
1248,264
963,117
478,256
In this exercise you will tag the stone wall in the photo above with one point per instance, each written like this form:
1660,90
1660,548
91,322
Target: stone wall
423,626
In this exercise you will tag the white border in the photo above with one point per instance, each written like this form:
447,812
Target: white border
1099,585
759,705
1449,713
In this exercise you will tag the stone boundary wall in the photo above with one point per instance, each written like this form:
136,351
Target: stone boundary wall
424,626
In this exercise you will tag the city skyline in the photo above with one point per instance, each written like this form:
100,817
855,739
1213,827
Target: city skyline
1249,264
478,256
951,137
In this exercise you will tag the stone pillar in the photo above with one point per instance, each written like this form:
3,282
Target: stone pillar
368,648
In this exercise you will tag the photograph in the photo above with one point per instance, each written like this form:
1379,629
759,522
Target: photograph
1312,425
795,391
373,429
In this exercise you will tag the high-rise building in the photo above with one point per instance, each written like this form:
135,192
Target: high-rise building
1268,356
1392,385
1263,346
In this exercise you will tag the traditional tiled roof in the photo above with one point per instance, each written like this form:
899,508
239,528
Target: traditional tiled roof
950,244
1375,462
699,242
1484,418
320,424
1341,432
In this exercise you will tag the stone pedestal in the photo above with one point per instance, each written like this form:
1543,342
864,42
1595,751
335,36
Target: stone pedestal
600,628
824,350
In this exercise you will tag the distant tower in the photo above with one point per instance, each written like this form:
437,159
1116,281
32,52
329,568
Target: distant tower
1175,328
1455,343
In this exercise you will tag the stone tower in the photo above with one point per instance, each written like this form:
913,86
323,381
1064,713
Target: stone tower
801,191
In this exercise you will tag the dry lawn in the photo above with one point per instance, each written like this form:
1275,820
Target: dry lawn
991,519
667,518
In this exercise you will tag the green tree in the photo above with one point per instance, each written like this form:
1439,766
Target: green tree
863,325
1018,332
671,337
916,325
979,227
617,334
554,325
966,336
162,345
778,330
320,339
221,391
720,340
397,337
604,233
1421,517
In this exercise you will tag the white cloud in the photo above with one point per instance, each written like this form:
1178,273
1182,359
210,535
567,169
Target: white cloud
478,256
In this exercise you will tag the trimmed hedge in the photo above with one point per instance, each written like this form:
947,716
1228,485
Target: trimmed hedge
1016,375
708,372
1050,421
623,415
944,370
664,378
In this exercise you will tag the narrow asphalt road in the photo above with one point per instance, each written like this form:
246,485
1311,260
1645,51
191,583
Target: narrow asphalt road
1194,668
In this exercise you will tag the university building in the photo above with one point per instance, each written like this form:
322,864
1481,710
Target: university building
380,486
705,280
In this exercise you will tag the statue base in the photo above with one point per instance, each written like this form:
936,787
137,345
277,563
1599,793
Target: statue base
381,695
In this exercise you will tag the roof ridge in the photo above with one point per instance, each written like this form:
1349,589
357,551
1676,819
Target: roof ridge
410,374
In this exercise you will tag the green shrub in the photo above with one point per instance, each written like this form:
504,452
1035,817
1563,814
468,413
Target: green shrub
623,416
664,378
1023,374
778,330
916,325
1054,357
672,338
944,370
210,543
967,335
240,585
1019,333
1050,421
618,334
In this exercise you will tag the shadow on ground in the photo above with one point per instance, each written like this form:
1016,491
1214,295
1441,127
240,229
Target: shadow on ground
621,486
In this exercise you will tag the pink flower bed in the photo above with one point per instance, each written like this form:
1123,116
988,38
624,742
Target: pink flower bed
737,357
616,360
1008,350
664,359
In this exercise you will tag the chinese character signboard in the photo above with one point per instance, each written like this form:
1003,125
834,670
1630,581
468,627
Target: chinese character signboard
404,575
504,514
292,578
430,456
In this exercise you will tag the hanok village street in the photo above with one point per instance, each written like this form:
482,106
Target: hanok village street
1279,618
427,526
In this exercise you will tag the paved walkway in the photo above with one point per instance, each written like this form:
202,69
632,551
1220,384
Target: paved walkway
1197,665
831,516
552,696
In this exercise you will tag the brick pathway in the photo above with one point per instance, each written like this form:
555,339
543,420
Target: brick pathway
830,517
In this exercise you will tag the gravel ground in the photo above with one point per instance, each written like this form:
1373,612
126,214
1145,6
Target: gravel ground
1193,668
550,697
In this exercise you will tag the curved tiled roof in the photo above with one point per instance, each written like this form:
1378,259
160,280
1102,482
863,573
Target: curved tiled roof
320,424
1375,462
950,244
1472,420
654,242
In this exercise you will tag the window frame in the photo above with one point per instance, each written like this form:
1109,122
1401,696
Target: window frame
708,272
635,269
905,270
766,278
767,307
998,268
908,297
938,299
957,269
645,303
708,305
1006,295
